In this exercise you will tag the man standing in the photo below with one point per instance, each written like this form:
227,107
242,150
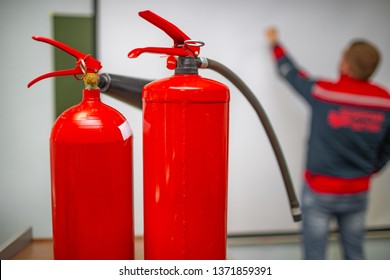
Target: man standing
349,142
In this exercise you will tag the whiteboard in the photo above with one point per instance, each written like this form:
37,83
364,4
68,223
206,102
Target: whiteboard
314,32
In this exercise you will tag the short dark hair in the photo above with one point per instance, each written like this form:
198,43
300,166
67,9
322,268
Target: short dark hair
363,58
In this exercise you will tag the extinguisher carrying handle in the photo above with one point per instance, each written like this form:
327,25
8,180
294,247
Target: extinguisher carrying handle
182,44
251,97
123,88
85,62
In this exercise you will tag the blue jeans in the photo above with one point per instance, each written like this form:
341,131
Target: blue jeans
318,210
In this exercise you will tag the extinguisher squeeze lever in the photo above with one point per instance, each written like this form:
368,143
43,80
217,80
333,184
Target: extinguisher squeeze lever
182,44
85,62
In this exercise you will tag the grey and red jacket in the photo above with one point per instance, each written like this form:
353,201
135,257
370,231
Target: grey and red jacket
350,128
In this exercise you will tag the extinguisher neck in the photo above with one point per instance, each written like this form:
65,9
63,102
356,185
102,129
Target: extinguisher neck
186,65
91,94
91,91
91,80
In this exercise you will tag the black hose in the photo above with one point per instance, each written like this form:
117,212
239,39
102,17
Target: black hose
232,77
123,88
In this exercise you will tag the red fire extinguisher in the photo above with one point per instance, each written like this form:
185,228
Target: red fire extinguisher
185,153
91,172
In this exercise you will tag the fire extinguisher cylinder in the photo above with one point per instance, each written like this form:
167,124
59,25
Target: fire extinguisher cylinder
185,148
91,172
185,140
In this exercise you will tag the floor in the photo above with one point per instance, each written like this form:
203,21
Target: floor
245,248
377,247
42,249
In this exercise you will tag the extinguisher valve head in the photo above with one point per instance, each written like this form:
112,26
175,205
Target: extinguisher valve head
186,65
91,80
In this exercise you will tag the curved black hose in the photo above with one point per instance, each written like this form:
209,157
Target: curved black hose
232,77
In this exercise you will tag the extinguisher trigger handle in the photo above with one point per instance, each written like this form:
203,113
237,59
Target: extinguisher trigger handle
54,74
169,51
182,44
169,28
59,45
85,62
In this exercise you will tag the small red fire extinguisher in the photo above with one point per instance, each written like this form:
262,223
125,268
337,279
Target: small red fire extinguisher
185,153
91,172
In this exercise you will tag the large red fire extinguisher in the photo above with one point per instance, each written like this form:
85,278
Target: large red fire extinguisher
91,172
185,153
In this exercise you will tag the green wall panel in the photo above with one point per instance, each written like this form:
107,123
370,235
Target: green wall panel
76,32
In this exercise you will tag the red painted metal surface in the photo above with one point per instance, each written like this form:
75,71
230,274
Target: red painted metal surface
185,142
91,171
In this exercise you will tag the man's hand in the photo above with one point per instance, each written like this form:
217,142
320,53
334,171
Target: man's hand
271,34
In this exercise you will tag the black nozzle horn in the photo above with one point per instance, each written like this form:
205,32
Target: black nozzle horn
123,88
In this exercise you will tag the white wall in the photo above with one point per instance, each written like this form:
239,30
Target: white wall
26,115
315,32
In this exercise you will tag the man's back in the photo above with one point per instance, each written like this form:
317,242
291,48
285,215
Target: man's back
350,121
